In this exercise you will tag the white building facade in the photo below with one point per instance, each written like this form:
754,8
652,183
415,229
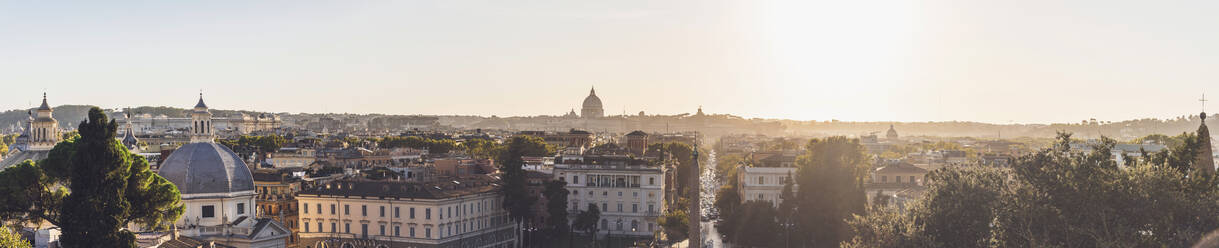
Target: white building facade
628,192
460,213
764,183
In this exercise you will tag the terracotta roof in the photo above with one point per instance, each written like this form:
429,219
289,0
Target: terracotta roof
901,167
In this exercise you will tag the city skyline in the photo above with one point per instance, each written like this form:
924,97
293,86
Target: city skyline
934,61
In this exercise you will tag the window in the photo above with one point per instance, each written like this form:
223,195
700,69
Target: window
761,180
306,227
604,193
382,211
649,227
911,179
590,192
412,213
604,207
635,208
412,232
319,226
605,224
427,232
440,212
305,207
759,196
396,212
427,213
346,209
619,193
382,230
347,227
575,192
650,207
450,212
240,208
396,231
319,209
364,230
635,194
363,210
333,227
619,207
651,181
209,211
897,179
575,179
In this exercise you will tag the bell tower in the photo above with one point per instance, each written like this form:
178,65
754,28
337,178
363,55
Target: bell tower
201,123
44,130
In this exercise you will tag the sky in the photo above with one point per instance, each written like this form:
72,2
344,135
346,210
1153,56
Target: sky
1030,61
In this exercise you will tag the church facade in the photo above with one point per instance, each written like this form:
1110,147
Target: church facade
217,191
40,134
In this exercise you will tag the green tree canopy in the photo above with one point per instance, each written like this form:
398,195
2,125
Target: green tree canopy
756,225
92,188
1055,198
517,199
438,146
835,167
587,220
12,239
556,206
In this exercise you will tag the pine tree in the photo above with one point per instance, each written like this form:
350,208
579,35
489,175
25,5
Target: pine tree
835,167
556,206
107,188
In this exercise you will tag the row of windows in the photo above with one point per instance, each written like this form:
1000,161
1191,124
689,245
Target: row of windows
605,207
209,211
606,193
618,225
464,209
449,230
885,179
610,181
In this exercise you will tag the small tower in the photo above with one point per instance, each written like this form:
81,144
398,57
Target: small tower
1205,161
44,130
201,123
129,140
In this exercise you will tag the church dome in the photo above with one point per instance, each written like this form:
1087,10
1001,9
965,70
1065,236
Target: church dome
592,106
592,101
203,168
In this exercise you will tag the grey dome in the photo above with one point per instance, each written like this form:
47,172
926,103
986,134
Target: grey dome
201,168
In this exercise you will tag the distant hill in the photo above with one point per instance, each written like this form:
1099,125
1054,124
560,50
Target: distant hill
69,116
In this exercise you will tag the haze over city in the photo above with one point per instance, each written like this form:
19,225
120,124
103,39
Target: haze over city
996,62
608,124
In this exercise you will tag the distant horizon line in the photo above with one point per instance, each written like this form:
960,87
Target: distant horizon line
1188,116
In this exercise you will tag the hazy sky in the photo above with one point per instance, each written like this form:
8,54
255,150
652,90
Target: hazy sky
931,60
